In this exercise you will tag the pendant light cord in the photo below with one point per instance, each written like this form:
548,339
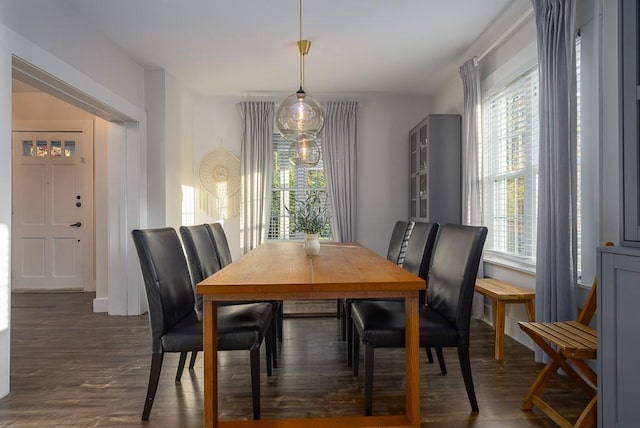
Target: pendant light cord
301,53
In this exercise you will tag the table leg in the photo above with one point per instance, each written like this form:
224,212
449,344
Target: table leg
412,356
531,310
499,326
210,350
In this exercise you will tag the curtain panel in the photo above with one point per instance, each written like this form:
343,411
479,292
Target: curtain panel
471,184
556,241
255,168
339,153
471,181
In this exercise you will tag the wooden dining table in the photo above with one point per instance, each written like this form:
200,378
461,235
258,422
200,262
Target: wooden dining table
282,271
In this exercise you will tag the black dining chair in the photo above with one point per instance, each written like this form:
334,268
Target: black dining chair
220,242
175,325
417,257
398,241
444,319
395,253
204,262
224,256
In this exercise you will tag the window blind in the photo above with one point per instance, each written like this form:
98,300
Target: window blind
579,154
510,168
290,183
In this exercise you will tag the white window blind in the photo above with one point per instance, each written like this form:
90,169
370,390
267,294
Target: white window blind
510,169
579,154
291,183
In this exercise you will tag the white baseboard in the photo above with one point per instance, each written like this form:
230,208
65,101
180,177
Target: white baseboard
101,304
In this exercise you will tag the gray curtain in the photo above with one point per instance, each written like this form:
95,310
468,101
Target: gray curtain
339,154
471,184
471,181
255,168
556,245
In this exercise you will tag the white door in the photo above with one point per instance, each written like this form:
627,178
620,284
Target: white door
52,216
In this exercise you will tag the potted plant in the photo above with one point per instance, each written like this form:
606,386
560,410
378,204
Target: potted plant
311,217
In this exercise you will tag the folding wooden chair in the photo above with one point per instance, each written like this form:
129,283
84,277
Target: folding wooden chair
574,342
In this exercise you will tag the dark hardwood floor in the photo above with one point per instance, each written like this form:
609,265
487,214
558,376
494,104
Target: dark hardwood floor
73,368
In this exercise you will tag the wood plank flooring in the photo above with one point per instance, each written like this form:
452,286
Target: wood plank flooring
73,368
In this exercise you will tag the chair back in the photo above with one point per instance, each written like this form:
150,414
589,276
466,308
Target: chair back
420,248
201,255
453,272
170,296
405,241
221,244
395,243
589,307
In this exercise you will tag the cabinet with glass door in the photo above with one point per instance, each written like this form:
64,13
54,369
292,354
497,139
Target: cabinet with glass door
434,169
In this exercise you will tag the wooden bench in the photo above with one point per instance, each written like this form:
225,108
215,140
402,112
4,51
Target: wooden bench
500,294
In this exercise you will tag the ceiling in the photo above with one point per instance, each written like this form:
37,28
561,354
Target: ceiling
232,47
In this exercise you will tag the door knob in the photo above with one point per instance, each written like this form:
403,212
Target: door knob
76,224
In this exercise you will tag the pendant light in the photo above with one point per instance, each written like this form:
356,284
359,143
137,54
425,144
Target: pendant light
304,152
299,117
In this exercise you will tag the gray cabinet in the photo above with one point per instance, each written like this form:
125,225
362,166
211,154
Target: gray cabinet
434,169
630,96
618,336
619,267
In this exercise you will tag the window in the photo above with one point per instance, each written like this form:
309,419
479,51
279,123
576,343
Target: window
291,183
578,155
510,169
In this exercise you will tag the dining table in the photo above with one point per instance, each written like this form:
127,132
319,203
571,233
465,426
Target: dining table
283,271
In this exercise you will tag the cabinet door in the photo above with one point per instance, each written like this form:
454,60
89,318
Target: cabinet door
629,99
618,344
444,182
413,173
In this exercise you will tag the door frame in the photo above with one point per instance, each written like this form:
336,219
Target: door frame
88,233
126,174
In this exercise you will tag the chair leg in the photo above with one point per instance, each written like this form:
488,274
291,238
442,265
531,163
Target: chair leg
465,366
192,362
427,350
588,416
280,321
183,359
254,356
355,342
440,356
349,329
154,377
368,379
274,340
268,350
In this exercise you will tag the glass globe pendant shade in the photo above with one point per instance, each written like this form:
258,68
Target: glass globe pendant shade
304,152
299,114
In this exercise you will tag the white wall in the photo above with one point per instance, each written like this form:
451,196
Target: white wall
169,118
5,209
384,122
179,147
62,31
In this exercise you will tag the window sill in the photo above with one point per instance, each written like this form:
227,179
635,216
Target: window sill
510,264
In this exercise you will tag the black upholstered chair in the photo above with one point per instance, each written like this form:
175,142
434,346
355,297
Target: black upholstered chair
175,325
417,257
221,243
224,256
444,320
397,241
203,262
395,253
